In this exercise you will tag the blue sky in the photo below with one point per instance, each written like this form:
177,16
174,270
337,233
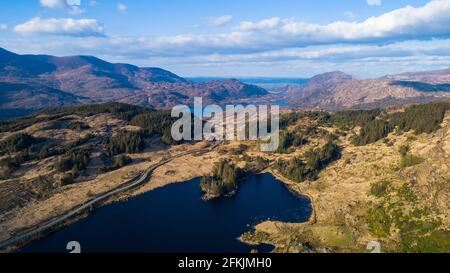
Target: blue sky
280,38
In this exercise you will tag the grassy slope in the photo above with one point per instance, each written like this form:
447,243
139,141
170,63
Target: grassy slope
411,216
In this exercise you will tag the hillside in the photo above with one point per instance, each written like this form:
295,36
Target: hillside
338,90
100,81
57,159
317,88
16,97
63,146
392,188
372,175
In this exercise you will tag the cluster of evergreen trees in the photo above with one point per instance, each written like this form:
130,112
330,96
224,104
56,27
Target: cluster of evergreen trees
292,118
225,176
425,118
376,124
21,148
294,169
75,160
318,159
153,122
156,123
372,132
75,155
119,110
46,150
125,142
17,143
223,180
18,124
315,160
289,119
289,139
351,119
76,143
373,122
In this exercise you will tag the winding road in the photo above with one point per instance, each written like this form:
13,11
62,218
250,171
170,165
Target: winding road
59,220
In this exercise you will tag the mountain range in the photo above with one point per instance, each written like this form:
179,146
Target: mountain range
337,90
30,82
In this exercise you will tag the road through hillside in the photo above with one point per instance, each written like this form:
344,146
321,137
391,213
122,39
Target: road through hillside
133,183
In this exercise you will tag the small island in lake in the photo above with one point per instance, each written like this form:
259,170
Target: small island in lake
222,181
225,177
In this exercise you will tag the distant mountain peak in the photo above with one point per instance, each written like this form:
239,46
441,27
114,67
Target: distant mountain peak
338,90
333,75
6,55
101,81
335,72
4,51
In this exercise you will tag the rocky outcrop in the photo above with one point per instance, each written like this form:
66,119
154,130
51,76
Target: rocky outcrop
338,90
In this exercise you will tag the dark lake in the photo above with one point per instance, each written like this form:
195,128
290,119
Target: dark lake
175,219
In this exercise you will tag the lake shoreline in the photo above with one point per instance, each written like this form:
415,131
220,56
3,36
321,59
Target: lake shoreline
159,178
251,186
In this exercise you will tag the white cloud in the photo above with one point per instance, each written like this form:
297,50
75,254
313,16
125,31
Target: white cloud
122,8
61,26
333,53
408,23
374,2
261,25
221,20
71,6
425,22
53,4
271,41
361,60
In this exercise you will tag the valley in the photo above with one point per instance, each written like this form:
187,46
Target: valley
29,83
224,135
34,82
365,182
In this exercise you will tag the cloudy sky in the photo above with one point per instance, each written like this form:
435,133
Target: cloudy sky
279,38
